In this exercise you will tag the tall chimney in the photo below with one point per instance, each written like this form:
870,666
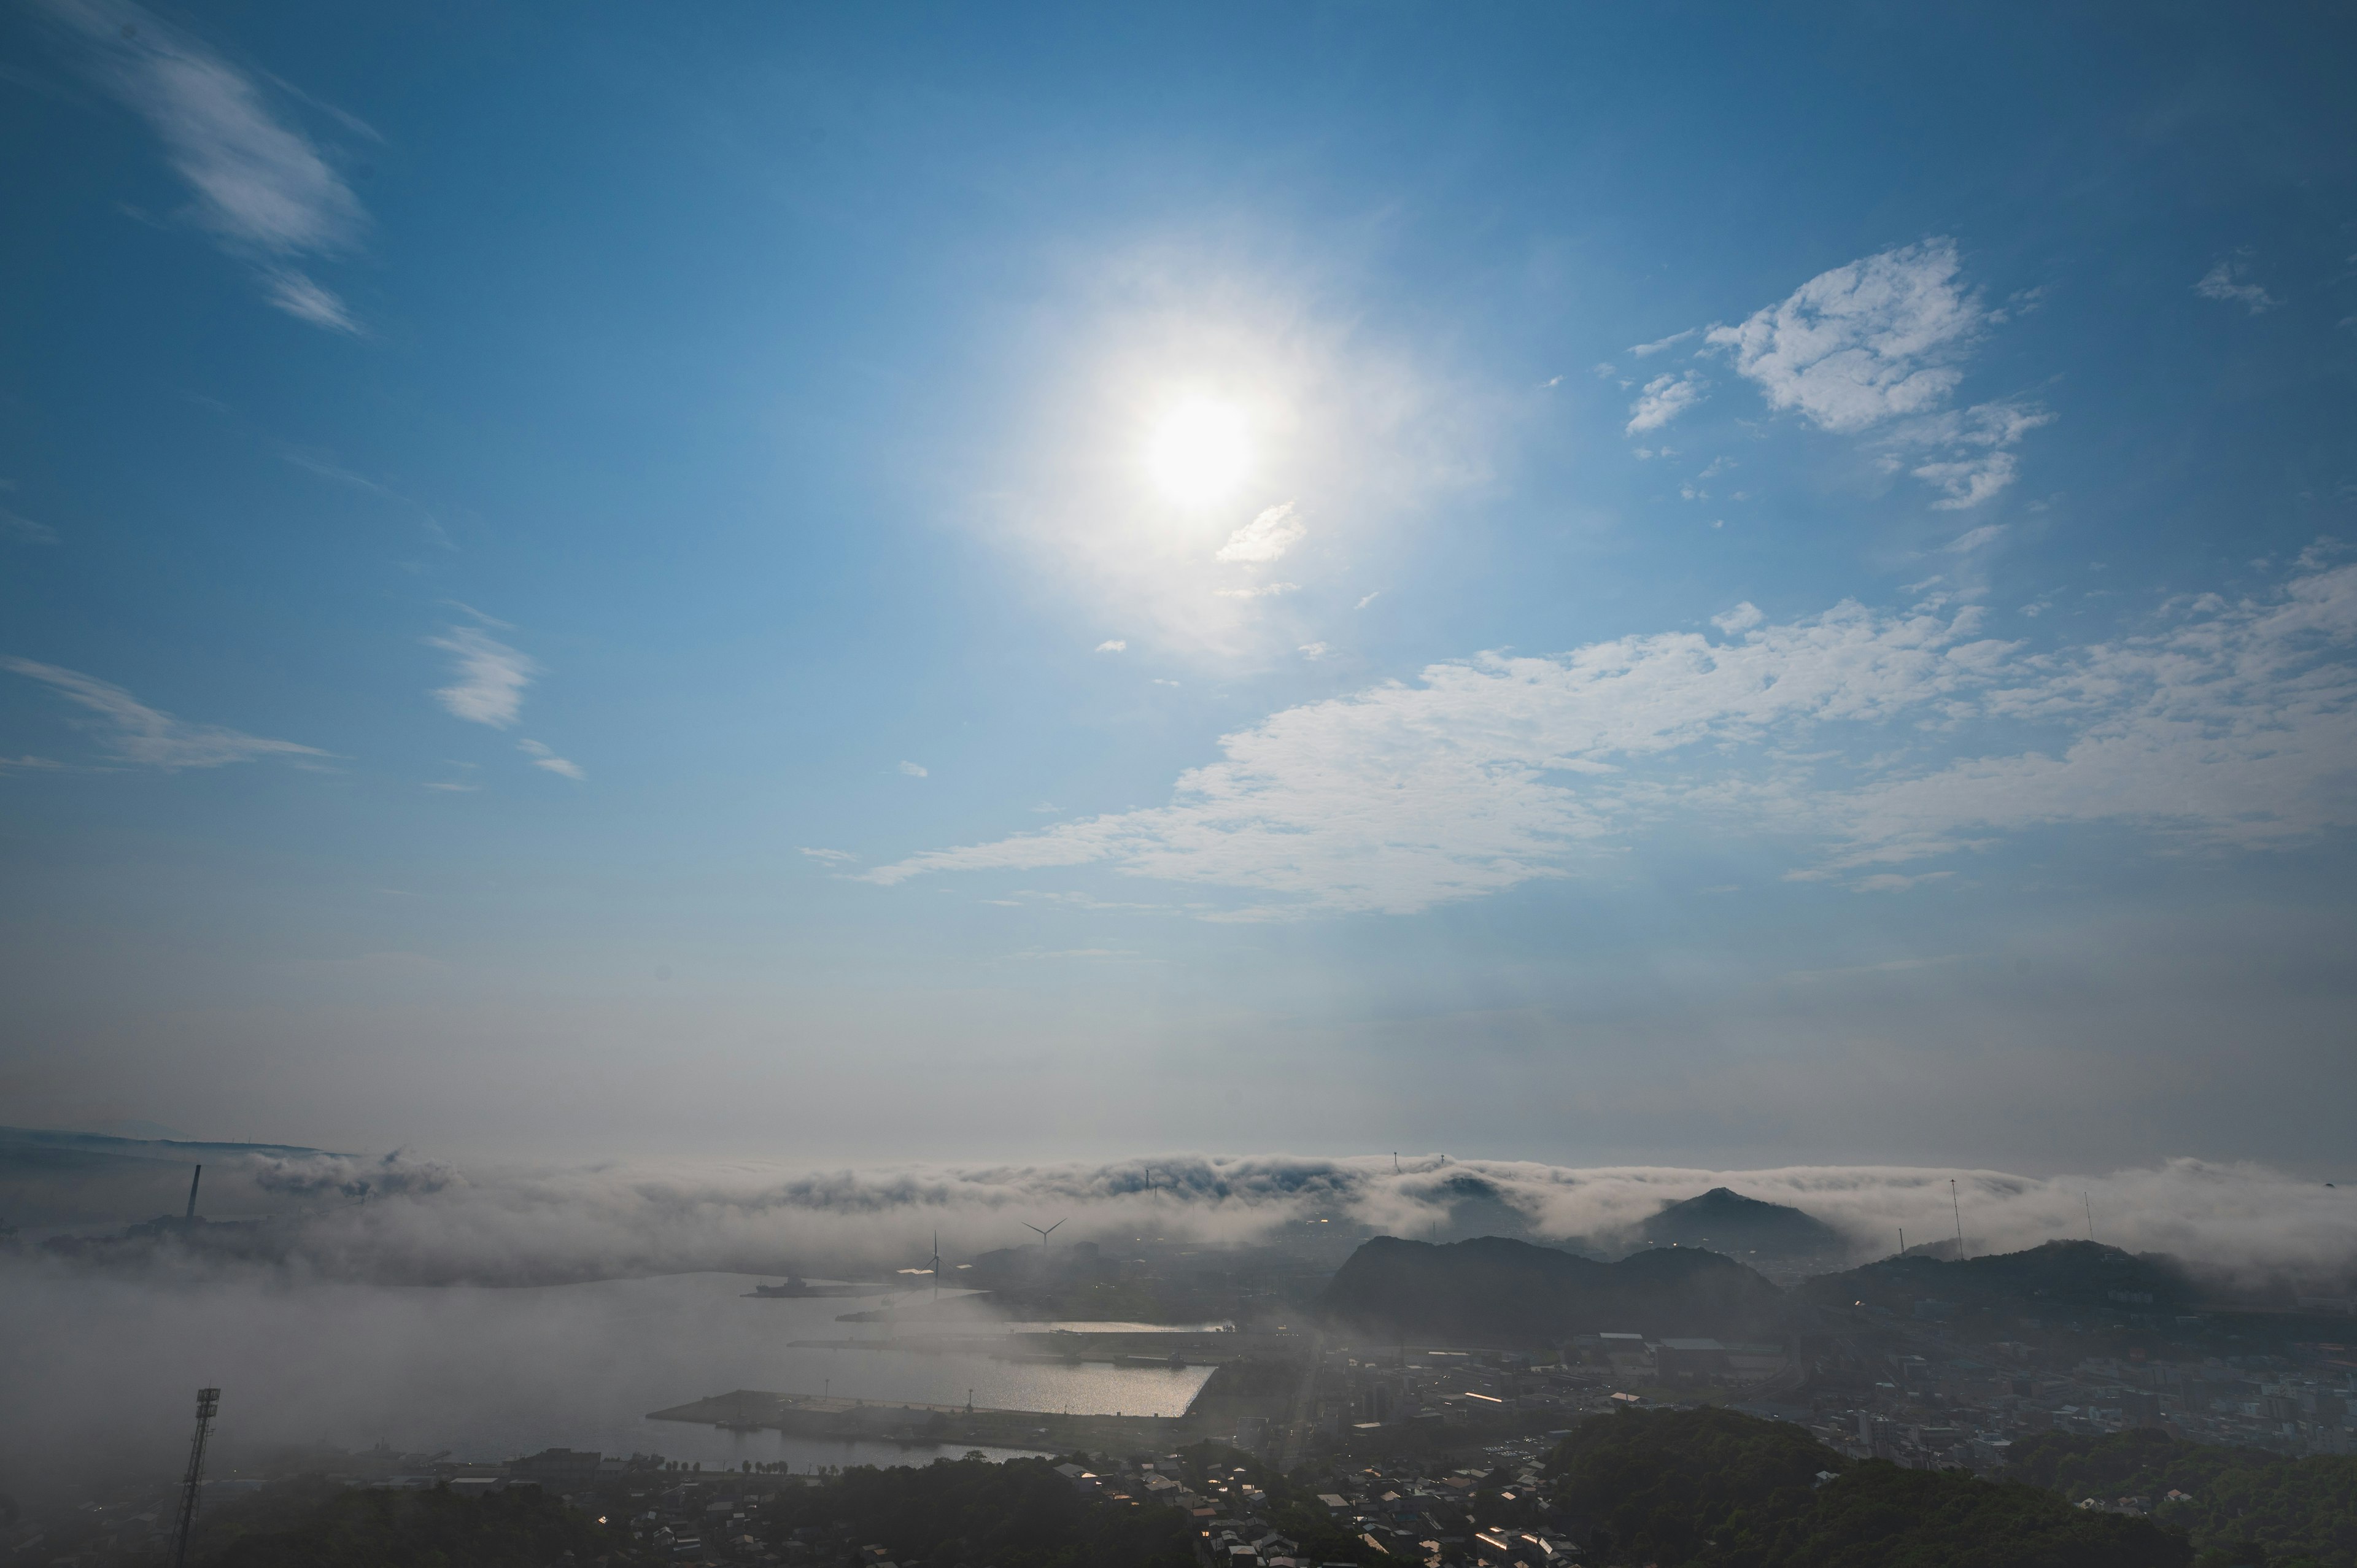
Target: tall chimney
193,1191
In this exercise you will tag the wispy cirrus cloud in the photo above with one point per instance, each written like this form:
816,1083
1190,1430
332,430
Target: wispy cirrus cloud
1647,350
2229,282
1861,739
134,731
263,188
546,757
24,530
491,677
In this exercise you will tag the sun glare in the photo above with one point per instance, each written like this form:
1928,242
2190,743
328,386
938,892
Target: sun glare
1200,453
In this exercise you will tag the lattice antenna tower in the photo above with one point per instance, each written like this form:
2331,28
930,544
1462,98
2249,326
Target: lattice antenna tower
208,1404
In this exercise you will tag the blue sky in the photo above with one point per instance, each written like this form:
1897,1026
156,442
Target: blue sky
1696,583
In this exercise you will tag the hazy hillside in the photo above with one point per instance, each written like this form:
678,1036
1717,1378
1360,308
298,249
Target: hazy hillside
2059,1275
1494,1291
1726,1221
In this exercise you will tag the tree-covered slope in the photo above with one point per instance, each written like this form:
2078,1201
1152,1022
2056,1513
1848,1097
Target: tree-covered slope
1494,1291
2244,1504
1711,1489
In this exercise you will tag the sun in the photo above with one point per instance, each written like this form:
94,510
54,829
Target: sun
1200,452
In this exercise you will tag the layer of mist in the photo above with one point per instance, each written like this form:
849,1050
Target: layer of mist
398,1220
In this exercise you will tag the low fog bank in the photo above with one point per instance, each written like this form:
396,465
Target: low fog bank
374,1303
103,1364
399,1220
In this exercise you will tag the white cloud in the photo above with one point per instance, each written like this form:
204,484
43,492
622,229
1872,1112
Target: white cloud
544,756
491,678
1973,448
915,771
299,297
1987,533
1113,645
1741,619
1863,343
1265,538
1881,340
137,733
1896,881
1664,399
1263,591
24,530
1863,739
451,788
1371,598
1313,650
834,856
2227,282
1644,350
261,188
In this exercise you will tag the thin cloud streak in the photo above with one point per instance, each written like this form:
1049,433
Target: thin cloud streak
491,678
546,757
149,736
261,186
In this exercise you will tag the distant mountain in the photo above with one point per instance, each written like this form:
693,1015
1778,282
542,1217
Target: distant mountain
2057,1276
1740,1227
1497,1291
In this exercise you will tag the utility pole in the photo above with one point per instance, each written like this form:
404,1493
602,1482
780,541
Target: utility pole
208,1404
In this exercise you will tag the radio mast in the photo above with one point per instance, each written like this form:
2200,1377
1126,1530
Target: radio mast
208,1403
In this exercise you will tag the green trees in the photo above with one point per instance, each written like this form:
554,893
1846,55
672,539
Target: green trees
1657,1486
1880,1516
1020,1514
1710,1488
2247,1505
519,1529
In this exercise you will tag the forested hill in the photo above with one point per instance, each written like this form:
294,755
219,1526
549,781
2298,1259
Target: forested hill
2059,1276
1726,1221
1709,1489
2239,1505
1492,1291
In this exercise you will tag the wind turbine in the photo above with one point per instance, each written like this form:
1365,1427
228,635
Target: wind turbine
1043,1234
